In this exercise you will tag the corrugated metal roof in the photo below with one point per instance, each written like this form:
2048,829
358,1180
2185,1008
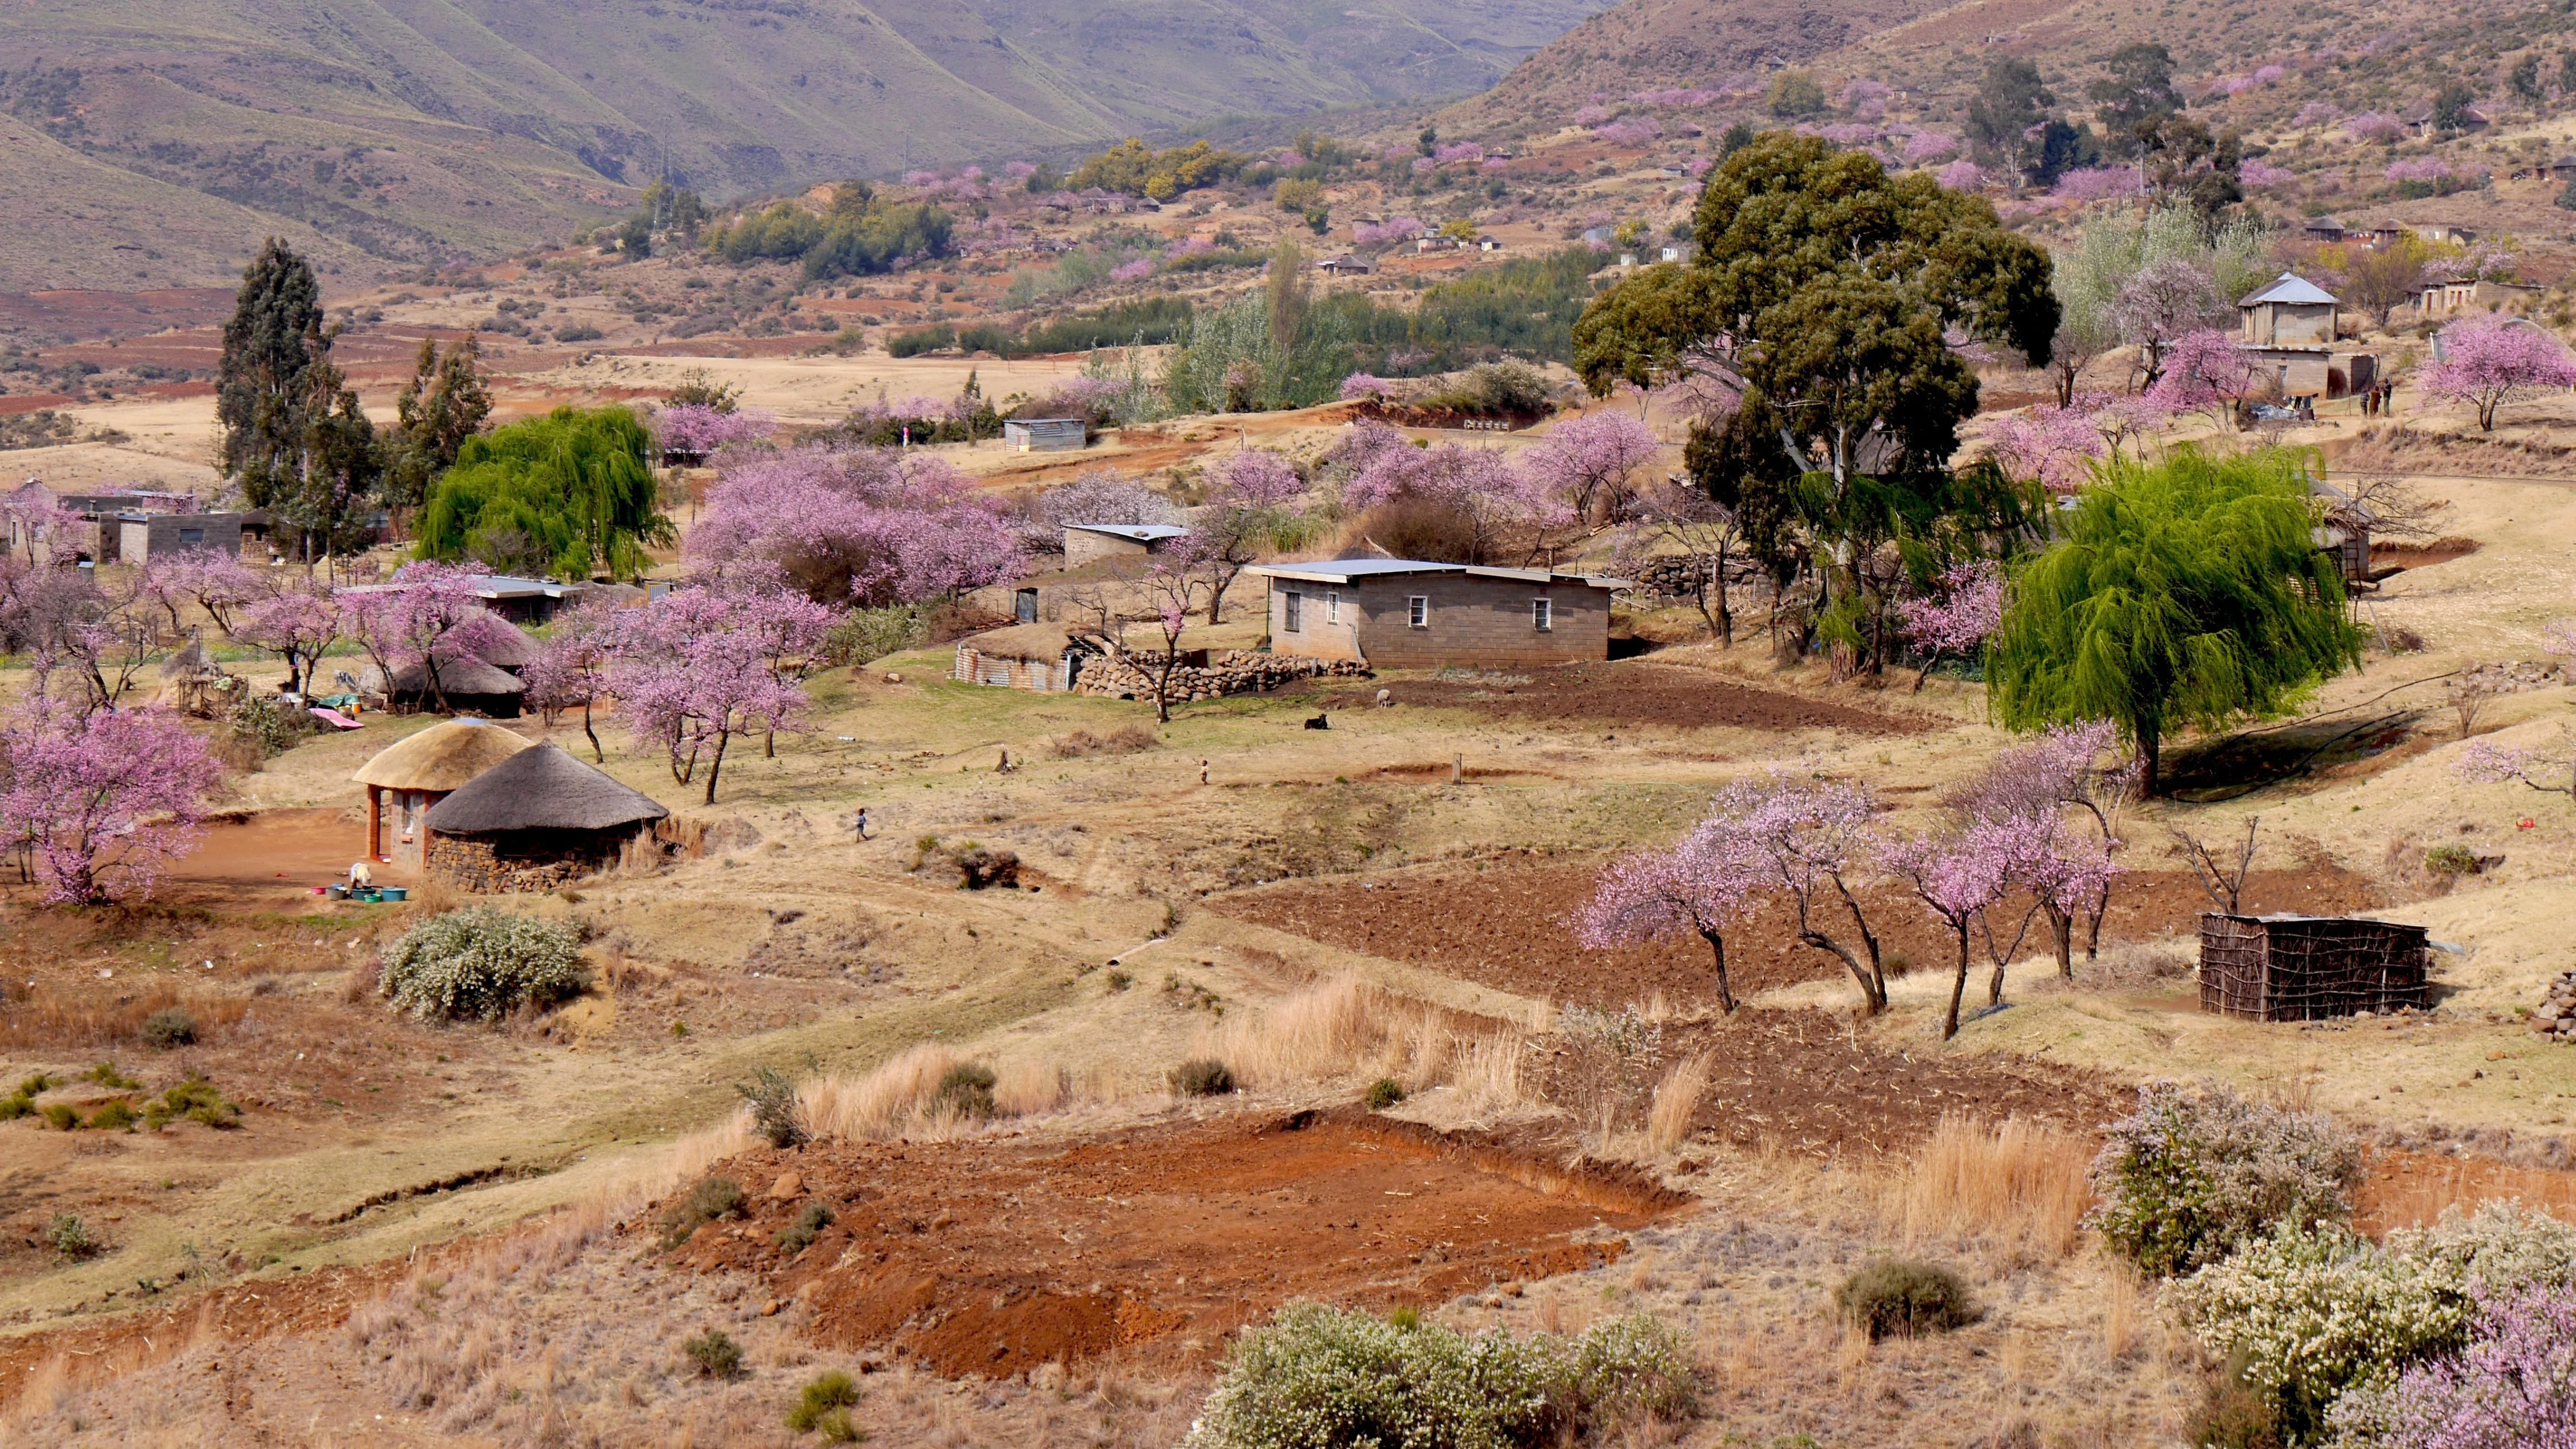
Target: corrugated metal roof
1345,570
1145,532
2291,287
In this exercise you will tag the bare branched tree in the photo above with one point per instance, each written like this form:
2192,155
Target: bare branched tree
2223,883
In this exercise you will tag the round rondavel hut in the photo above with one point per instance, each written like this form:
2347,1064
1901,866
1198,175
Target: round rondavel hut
408,777
534,822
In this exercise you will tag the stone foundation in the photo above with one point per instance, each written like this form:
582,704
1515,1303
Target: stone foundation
1234,672
483,867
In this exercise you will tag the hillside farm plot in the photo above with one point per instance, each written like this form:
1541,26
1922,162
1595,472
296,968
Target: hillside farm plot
992,1256
1506,923
1634,692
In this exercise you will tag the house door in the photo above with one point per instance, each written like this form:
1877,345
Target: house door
1024,606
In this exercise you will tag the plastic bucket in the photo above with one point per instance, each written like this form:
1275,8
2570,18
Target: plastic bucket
335,893
397,893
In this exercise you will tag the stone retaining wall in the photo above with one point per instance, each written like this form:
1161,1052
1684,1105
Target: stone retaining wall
1237,671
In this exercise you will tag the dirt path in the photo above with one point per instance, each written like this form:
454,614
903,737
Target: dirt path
1633,691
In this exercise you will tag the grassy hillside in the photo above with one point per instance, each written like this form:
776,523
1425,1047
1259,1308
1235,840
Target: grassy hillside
417,130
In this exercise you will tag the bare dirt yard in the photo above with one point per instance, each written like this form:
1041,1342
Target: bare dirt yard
1633,691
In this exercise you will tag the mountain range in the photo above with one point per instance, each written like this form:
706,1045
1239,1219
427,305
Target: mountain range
153,143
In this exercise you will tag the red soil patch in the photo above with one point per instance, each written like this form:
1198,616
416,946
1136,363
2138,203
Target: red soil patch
274,859
995,1255
1504,925
2410,1189
1635,692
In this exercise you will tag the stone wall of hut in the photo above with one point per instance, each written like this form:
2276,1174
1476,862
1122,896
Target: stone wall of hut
530,864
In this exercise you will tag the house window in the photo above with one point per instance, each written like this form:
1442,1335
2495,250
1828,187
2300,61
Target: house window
1417,611
1292,614
1542,615
1332,607
192,538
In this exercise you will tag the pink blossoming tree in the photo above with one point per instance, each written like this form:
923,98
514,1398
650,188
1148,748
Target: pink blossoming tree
299,625
691,432
2053,447
1955,619
2203,372
103,800
1699,885
572,667
2490,361
427,615
1590,463
215,581
1252,495
702,665
1957,876
864,528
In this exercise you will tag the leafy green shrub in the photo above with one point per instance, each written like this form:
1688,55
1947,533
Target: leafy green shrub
2312,1313
717,1197
63,1115
1317,1377
2188,1176
825,1396
168,1028
966,1090
715,1353
1901,1297
482,963
2452,860
866,634
1202,1077
1383,1093
106,1075
808,1225
114,1115
14,1107
35,1084
194,1099
68,1236
775,1112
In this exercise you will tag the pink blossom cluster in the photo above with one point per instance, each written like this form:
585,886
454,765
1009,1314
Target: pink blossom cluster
922,178
1592,115
701,665
2259,172
2419,168
1135,271
2050,446
1590,462
1019,170
2512,1386
1478,481
2265,75
695,430
867,527
1964,607
1698,166
1924,147
1393,229
1849,133
2203,372
2374,126
2489,360
2101,183
1457,151
1961,176
104,800
1191,246
1677,97
1290,160
2315,113
1423,166
1360,385
1253,478
1632,131
1492,164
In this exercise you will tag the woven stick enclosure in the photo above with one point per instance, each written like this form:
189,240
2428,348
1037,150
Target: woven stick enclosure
2305,968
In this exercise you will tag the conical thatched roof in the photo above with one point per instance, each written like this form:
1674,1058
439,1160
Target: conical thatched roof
516,649
189,661
541,789
458,676
441,757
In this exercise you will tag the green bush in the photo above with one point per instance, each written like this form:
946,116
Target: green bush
715,1353
808,1225
717,1197
2188,1176
114,1115
106,1075
194,1099
1202,1078
2233,1416
826,1395
866,634
1316,1377
2452,860
1896,1296
169,1027
13,1108
35,1084
918,340
1383,1093
68,1236
63,1115
775,1112
482,963
966,1090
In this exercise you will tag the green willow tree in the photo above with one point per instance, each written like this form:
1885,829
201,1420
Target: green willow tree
2187,593
1830,303
263,394
567,493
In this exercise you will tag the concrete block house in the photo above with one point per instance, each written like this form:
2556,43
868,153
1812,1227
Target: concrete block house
1409,614
2289,332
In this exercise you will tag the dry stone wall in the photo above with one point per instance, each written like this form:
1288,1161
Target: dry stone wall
1236,671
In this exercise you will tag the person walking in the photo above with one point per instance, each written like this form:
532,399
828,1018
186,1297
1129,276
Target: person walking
863,822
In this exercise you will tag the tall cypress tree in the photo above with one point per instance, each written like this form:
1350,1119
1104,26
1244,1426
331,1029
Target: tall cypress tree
263,390
445,403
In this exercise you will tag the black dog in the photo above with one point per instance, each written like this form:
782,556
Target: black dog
1319,722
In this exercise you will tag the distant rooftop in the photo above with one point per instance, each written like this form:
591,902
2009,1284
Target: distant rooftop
1345,570
2291,287
1142,532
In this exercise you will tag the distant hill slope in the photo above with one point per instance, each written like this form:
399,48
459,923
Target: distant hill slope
1650,44
417,130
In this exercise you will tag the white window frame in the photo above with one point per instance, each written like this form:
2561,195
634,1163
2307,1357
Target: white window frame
1332,606
1543,614
1417,611
1292,614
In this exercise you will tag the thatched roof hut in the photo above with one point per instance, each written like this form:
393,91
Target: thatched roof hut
535,821
467,685
513,651
418,772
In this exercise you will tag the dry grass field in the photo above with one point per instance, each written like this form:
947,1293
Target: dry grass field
464,1235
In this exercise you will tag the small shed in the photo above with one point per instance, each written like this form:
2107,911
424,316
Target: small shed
2292,312
1345,265
1045,435
2307,968
469,686
143,537
2323,229
535,822
409,777
1089,542
1039,657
